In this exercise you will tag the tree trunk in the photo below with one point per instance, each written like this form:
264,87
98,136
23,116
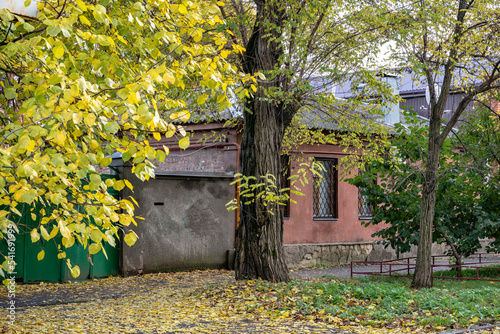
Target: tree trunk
456,255
260,233
259,252
422,276
458,262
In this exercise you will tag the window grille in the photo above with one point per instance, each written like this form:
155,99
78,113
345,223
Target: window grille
325,190
364,208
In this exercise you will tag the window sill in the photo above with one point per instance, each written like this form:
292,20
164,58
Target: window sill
325,219
365,218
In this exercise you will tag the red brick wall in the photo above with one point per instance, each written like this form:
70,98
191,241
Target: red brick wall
207,160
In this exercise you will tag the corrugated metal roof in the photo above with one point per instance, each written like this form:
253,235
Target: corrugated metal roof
409,83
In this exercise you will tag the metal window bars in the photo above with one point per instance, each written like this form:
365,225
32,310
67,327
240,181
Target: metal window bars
325,190
364,208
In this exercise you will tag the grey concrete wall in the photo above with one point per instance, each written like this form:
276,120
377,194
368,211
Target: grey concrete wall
186,224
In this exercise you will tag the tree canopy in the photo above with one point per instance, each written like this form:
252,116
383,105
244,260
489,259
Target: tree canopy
453,46
466,211
83,80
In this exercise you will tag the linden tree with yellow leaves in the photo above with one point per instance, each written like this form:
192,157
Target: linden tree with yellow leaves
83,80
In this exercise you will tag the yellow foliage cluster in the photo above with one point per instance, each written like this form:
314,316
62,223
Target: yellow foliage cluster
85,80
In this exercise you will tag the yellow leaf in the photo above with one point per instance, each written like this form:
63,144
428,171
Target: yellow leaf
84,20
169,77
184,143
114,217
160,155
16,211
94,248
129,185
75,271
45,234
181,115
34,235
202,99
96,235
110,182
64,230
41,255
31,146
182,9
18,194
184,115
197,35
130,238
53,232
61,255
68,242
111,240
157,136
81,5
56,198
58,51
6,266
133,97
181,130
125,220
119,185
60,137
90,119
221,98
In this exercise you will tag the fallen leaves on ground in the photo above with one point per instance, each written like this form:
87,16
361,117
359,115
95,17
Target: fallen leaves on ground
188,302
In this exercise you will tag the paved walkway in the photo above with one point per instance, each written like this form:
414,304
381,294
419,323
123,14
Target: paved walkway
344,271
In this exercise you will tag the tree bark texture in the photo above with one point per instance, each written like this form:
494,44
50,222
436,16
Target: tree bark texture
260,233
422,276
458,262
259,251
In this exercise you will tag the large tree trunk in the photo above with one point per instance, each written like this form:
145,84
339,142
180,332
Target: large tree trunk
259,251
260,233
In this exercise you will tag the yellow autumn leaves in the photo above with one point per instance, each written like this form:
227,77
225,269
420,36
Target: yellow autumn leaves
193,302
86,80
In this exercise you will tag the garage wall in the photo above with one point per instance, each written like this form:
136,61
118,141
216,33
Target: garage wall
186,224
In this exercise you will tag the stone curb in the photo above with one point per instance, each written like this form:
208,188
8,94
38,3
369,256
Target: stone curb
470,330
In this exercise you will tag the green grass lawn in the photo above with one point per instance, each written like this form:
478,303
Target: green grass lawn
378,301
484,272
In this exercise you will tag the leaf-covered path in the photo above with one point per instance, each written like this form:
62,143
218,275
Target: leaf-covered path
161,303
188,302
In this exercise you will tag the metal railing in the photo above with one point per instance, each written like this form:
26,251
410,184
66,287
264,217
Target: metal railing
404,267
